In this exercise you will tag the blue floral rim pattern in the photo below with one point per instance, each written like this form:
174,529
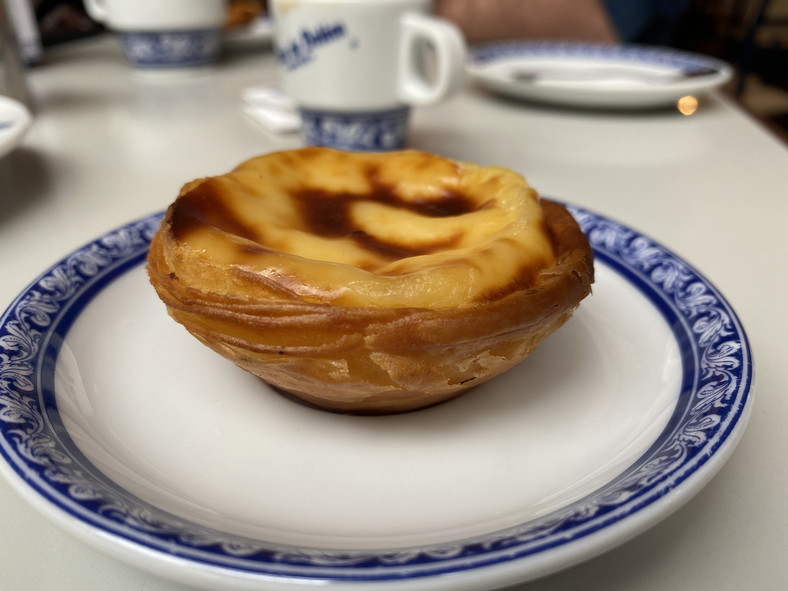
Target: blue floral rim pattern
362,131
712,405
639,54
171,49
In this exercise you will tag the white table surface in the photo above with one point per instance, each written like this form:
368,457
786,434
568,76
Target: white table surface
108,147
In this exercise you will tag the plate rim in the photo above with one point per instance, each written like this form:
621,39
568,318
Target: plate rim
124,248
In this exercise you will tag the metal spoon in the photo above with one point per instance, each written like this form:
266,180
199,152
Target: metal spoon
596,74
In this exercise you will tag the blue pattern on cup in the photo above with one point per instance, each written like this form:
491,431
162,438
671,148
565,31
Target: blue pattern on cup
359,131
171,49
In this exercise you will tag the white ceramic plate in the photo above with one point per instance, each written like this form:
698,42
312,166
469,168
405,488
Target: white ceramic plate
594,75
15,120
121,428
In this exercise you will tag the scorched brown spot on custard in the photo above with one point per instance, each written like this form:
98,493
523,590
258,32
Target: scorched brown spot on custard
205,206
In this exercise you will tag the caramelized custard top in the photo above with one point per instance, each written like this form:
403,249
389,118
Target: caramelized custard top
398,229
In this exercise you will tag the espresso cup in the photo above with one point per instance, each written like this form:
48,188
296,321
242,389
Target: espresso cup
164,34
355,68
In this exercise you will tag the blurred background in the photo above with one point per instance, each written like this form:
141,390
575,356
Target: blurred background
752,35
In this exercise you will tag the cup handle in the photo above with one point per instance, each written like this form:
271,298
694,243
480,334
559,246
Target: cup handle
97,9
418,30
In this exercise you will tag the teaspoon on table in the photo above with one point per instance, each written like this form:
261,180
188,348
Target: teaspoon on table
593,74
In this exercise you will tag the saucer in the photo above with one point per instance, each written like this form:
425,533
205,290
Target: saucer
595,75
15,120
128,433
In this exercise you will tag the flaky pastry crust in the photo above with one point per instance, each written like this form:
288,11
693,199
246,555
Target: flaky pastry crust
308,304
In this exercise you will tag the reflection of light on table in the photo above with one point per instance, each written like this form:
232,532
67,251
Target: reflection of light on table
687,105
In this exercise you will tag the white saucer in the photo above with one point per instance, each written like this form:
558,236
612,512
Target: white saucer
15,120
124,430
594,75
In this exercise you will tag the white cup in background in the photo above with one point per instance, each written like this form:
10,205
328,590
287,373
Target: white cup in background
355,67
164,34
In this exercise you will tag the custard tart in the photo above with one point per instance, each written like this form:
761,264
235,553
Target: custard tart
369,282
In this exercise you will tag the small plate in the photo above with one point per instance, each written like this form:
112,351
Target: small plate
595,75
15,120
124,430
